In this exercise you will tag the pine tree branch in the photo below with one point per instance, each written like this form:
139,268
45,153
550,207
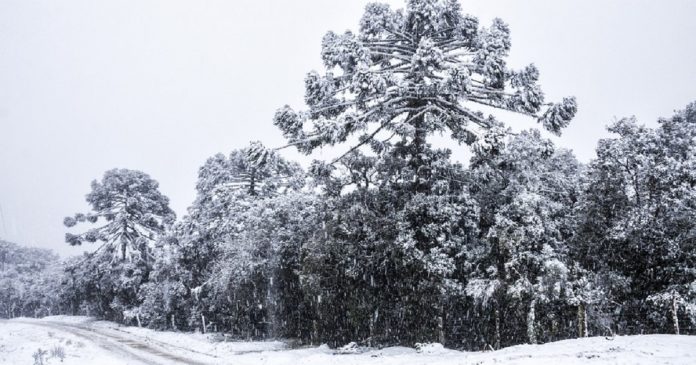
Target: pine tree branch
366,140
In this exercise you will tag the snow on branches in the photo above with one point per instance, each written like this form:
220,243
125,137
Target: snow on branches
423,67
134,210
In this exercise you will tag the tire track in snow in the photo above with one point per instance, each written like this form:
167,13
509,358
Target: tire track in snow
122,346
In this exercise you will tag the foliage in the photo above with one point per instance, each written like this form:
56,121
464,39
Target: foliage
133,208
638,219
29,282
414,72
393,242
135,215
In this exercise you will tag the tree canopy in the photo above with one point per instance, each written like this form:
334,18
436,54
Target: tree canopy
133,209
412,72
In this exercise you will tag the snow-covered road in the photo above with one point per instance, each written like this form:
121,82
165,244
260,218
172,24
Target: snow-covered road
84,341
123,347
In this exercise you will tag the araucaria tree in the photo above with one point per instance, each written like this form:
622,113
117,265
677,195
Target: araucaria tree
133,214
134,211
414,72
210,245
406,75
392,242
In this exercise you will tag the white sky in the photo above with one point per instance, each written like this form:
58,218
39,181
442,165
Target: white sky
86,86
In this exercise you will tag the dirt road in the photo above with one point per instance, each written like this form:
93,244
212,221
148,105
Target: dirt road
132,348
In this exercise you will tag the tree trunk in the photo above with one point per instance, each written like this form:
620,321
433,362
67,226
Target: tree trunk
675,316
497,327
418,162
315,332
252,182
373,322
582,320
531,318
441,326
203,322
123,248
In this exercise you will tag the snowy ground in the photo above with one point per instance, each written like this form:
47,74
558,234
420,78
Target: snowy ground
84,341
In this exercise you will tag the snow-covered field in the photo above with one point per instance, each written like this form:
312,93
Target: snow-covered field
84,341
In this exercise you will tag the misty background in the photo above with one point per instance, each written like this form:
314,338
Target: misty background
160,86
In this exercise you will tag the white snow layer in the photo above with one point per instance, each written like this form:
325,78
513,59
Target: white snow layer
84,341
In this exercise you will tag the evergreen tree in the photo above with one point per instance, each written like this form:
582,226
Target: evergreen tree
198,245
384,265
29,281
637,221
526,191
408,74
134,211
412,73
135,214
256,282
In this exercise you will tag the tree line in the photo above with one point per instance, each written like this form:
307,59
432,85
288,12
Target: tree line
393,242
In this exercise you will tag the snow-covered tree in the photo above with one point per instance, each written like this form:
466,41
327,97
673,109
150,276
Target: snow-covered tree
131,214
227,187
406,75
163,297
29,281
252,170
585,290
637,219
133,210
411,73
526,190
381,230
224,183
256,281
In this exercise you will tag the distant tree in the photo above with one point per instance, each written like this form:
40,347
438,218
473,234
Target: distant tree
133,209
251,170
134,215
200,243
223,182
29,281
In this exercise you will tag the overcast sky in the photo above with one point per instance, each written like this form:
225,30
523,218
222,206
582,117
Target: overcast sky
86,86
